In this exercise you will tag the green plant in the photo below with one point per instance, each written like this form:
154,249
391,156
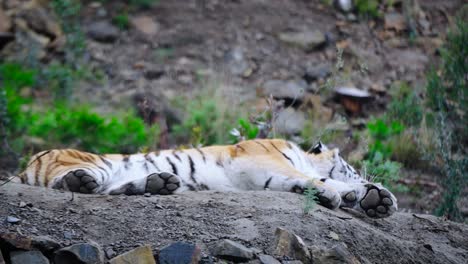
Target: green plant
310,199
406,107
143,3
245,131
385,171
381,133
447,102
368,7
121,20
82,128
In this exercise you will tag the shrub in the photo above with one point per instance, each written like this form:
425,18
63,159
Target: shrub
208,119
121,21
447,102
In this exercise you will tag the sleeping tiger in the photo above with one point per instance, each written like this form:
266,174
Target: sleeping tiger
262,164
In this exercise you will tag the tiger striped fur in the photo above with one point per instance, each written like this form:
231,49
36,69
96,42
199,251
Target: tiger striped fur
271,164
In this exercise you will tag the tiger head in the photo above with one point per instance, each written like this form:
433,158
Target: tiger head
329,163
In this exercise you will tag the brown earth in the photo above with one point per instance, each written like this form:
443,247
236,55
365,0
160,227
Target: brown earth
123,222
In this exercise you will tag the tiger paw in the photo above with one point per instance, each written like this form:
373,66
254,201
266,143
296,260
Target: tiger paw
377,202
80,181
163,183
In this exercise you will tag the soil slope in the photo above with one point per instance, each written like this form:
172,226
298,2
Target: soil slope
123,222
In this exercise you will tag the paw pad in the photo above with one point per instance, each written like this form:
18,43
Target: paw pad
80,181
377,202
162,183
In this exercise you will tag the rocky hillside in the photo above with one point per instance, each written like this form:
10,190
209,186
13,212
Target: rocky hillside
216,227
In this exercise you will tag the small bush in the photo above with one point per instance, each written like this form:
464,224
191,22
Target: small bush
310,199
368,7
121,21
207,122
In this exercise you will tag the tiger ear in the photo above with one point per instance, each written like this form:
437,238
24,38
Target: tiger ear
318,148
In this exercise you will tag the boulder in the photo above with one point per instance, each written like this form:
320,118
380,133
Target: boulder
180,252
290,245
139,255
306,40
27,257
15,241
103,31
232,251
291,91
338,254
289,122
145,25
267,259
83,253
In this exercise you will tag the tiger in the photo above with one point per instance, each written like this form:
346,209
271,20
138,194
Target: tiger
260,164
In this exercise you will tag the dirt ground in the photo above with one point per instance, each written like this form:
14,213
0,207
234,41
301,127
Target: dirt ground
123,222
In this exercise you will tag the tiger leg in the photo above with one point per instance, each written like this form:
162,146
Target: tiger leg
162,183
277,175
372,199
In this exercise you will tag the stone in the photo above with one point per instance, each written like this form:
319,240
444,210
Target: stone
267,259
44,243
13,220
85,253
236,62
290,245
344,5
336,255
145,25
289,121
28,257
41,21
5,21
139,255
394,20
291,91
317,72
230,250
180,252
306,40
103,31
245,229
16,241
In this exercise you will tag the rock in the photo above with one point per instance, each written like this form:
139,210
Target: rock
5,38
307,40
230,250
103,31
28,257
145,25
292,262
352,98
16,241
289,121
290,245
236,62
336,255
41,21
110,253
5,21
316,72
267,259
44,243
344,5
291,91
179,252
13,220
139,255
334,235
86,253
396,21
